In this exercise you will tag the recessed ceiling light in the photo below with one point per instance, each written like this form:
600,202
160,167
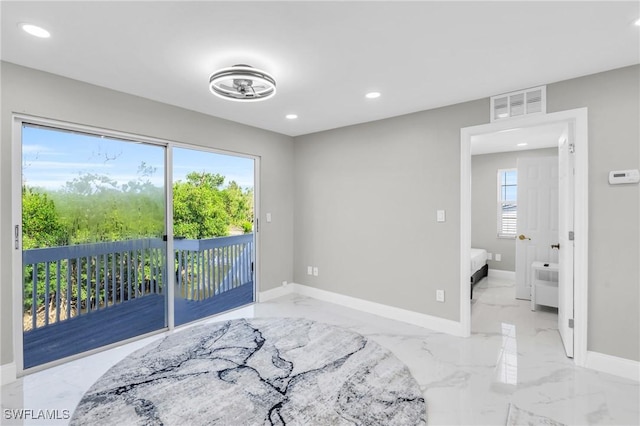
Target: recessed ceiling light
523,144
372,95
291,116
35,30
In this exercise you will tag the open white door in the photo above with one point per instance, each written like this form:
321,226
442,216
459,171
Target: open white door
537,218
566,160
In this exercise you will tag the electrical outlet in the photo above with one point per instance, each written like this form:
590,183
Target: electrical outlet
489,256
498,257
309,270
439,295
315,271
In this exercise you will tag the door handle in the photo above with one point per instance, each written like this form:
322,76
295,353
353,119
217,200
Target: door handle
522,237
555,246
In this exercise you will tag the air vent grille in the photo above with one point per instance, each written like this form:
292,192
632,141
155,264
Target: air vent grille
517,104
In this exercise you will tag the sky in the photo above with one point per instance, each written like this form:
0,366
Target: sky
50,158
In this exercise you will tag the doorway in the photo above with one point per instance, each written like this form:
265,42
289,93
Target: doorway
95,214
214,242
577,121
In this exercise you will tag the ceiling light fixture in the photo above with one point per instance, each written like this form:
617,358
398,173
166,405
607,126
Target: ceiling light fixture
523,144
242,83
35,30
372,95
291,116
637,22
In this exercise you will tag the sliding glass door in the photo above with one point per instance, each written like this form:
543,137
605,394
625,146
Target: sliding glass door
93,253
213,212
91,240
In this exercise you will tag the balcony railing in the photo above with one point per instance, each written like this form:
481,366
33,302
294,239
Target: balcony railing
70,281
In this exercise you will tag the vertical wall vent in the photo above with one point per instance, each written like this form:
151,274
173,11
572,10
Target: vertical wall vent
520,103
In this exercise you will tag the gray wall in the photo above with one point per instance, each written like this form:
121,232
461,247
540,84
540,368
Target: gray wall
36,93
366,198
484,196
365,208
613,99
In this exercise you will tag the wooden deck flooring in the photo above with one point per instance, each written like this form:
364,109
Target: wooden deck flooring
117,323
187,311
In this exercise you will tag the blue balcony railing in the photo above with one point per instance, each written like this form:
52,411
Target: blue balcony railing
70,281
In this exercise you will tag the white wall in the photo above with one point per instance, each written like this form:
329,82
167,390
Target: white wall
36,93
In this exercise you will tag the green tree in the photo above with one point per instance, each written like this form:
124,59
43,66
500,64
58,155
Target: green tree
41,225
239,205
198,206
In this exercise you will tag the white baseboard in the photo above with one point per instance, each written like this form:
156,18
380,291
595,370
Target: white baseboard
621,367
264,296
423,320
499,273
8,373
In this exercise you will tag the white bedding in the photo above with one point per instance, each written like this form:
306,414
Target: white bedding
478,259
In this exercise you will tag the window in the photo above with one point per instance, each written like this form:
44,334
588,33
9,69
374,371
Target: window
507,203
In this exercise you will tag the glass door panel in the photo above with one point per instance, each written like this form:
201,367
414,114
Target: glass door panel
94,259
213,210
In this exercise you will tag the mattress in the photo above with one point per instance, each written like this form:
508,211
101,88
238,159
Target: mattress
478,259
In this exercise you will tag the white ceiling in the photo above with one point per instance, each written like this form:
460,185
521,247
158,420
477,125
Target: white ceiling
324,55
518,139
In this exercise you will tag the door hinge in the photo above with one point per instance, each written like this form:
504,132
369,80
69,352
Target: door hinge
572,148
17,237
570,322
571,235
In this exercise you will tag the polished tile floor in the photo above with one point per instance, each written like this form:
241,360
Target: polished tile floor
513,356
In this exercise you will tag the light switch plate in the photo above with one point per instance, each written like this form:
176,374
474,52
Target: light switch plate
440,216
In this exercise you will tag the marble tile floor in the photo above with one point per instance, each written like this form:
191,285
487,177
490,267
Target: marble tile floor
513,356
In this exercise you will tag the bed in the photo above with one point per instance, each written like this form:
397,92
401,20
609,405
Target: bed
479,267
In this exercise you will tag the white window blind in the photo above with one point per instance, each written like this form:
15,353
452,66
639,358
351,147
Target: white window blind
507,202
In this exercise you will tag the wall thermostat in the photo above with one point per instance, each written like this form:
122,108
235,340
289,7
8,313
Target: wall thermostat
624,176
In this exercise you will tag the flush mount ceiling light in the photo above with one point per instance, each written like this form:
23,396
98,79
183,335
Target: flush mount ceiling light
35,30
372,95
242,83
291,116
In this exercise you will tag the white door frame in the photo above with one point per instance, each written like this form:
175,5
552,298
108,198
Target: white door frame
578,118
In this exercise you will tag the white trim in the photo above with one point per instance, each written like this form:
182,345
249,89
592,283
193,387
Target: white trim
265,296
499,273
257,236
422,320
8,373
16,253
581,230
578,118
617,366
